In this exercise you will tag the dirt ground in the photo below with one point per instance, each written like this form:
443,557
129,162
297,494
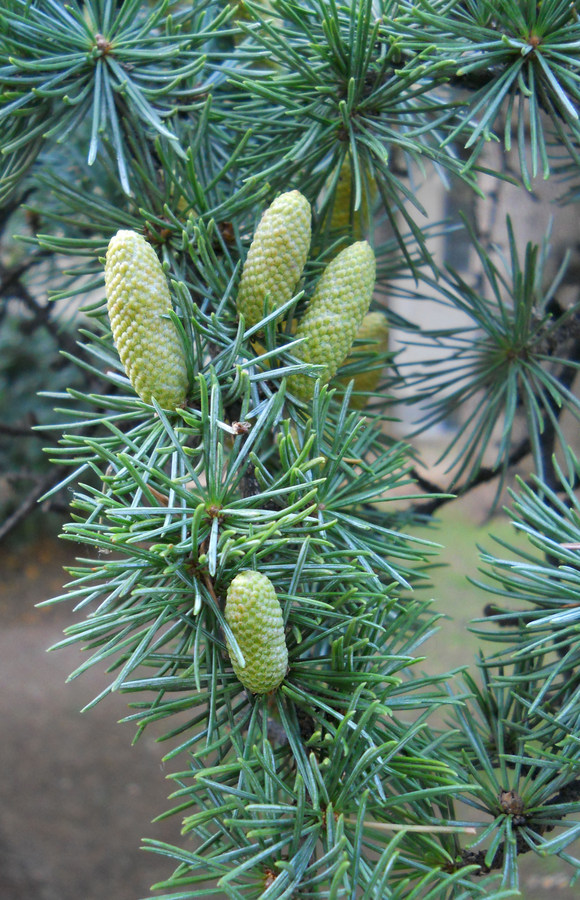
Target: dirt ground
75,797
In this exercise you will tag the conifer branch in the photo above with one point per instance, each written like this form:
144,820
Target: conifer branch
248,173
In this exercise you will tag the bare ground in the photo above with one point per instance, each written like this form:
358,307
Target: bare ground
75,797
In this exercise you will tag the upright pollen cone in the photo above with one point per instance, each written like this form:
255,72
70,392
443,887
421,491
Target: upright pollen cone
147,341
341,209
254,614
335,314
276,257
375,332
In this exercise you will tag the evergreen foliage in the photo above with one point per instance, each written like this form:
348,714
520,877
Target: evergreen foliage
182,121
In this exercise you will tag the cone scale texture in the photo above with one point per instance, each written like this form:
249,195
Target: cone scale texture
342,215
375,330
254,614
335,314
138,301
276,257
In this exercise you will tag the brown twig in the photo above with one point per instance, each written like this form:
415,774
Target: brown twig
484,475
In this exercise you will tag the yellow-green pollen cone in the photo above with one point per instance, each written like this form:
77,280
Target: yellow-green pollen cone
375,332
341,209
254,614
138,301
276,257
335,314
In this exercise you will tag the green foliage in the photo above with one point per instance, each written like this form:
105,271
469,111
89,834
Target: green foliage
102,62
512,357
182,122
520,743
521,56
545,628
